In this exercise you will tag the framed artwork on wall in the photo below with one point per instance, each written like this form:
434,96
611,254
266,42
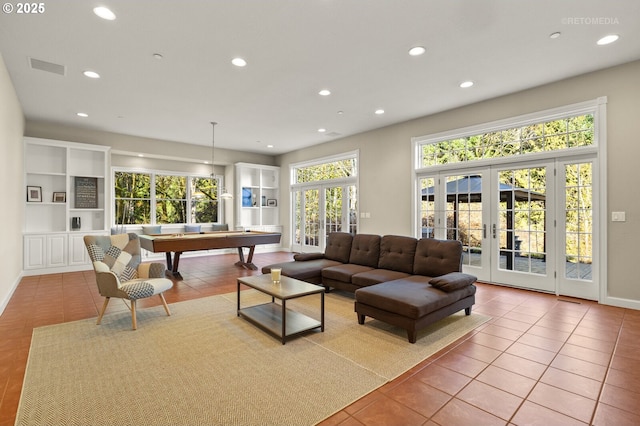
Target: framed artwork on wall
34,194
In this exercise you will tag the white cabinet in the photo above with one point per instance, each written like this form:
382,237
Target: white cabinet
67,186
257,196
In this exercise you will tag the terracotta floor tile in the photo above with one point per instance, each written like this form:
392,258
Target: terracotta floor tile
459,413
549,333
579,367
507,381
540,342
491,341
518,365
606,415
443,379
419,396
461,364
586,354
580,385
562,401
629,380
531,353
386,411
492,400
531,414
621,398
477,351
505,333
592,343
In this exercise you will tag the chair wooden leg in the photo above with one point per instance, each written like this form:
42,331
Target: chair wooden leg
133,315
164,303
104,308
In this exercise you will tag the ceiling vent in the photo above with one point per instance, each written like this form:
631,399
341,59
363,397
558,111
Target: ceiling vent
37,64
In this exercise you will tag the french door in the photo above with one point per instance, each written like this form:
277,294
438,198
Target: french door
319,210
528,225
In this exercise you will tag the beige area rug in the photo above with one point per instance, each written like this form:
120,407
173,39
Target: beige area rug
206,366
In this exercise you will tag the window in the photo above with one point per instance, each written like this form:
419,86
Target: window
324,200
172,198
132,198
553,135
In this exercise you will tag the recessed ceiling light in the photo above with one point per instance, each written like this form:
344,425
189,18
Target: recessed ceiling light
608,39
158,56
340,112
82,114
104,13
379,111
239,62
417,51
555,35
466,84
324,92
269,146
140,155
322,130
91,74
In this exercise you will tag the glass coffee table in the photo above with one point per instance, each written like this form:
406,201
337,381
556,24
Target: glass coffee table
274,317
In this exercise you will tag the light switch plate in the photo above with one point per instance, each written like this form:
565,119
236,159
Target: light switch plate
618,217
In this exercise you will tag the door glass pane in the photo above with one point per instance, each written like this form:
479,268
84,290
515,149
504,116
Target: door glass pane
522,220
464,215
311,217
427,207
297,217
333,209
353,210
578,221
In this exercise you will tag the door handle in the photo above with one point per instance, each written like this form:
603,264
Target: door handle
484,230
494,230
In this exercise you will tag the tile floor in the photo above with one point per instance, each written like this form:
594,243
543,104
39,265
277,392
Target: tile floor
541,360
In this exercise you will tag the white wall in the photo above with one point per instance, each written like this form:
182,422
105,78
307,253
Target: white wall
385,161
13,190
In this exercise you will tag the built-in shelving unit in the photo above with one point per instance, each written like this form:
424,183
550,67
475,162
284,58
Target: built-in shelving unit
70,181
257,197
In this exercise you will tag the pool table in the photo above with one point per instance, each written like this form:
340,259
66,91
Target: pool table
179,243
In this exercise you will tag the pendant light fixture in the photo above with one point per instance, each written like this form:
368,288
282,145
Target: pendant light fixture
224,195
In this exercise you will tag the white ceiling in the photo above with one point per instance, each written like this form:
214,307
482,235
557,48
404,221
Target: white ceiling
358,49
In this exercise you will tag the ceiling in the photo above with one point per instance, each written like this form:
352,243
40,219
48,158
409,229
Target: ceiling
358,49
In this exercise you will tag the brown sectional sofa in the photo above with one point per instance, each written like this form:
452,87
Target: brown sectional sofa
400,280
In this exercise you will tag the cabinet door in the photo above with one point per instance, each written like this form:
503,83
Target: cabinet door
77,251
35,251
56,250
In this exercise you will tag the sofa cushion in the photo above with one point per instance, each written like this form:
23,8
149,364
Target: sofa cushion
343,272
302,257
375,276
452,281
397,253
365,250
437,257
409,298
304,271
338,246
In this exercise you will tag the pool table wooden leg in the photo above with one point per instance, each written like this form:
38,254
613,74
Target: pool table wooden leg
248,264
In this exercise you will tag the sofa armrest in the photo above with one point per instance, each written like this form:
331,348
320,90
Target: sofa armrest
452,281
301,257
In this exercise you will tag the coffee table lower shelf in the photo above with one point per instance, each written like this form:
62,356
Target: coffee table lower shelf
268,317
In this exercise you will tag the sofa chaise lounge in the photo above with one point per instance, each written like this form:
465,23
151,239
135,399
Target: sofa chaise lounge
400,280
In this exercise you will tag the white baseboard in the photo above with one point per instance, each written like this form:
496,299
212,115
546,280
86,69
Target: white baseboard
622,303
9,295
